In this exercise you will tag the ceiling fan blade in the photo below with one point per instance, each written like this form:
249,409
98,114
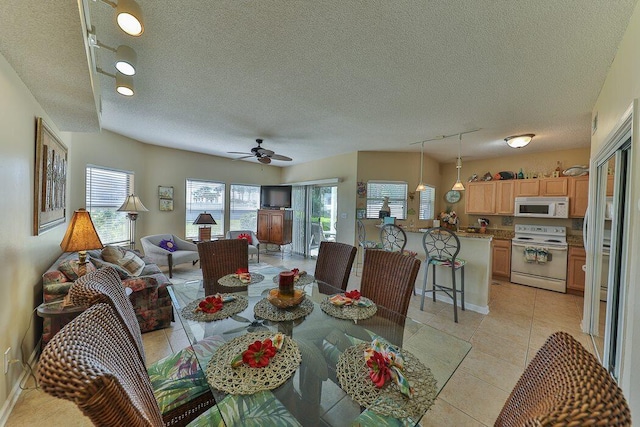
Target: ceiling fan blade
239,152
281,157
265,152
243,157
264,160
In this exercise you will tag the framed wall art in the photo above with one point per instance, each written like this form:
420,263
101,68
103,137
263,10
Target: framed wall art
165,192
50,180
166,205
361,213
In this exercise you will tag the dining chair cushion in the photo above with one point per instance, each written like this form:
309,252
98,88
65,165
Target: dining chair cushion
260,409
447,262
178,379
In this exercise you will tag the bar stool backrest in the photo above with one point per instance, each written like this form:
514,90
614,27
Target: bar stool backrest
440,244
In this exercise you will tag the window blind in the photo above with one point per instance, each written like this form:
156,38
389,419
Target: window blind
106,190
427,203
204,196
395,190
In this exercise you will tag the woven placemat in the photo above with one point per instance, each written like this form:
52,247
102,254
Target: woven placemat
231,281
353,375
247,380
350,312
303,280
265,310
228,309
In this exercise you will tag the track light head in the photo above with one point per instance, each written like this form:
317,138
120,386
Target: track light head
129,17
126,60
124,84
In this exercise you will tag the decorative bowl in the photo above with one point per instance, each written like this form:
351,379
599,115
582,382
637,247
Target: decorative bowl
285,301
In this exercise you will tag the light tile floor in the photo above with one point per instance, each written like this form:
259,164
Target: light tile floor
504,341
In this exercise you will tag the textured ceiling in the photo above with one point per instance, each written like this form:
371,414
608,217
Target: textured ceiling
320,78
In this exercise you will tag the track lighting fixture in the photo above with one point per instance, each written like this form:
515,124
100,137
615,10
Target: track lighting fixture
124,83
128,16
126,57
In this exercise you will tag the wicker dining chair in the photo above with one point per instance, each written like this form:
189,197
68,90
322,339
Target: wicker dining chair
219,258
334,263
565,385
179,385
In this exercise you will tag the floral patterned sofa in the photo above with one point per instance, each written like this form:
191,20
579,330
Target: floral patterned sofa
149,295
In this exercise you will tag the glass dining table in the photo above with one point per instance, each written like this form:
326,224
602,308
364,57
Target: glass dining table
319,377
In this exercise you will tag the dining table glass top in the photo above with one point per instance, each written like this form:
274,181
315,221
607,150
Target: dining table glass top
312,380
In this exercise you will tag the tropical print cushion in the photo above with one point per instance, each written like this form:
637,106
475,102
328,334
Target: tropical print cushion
447,262
71,268
177,379
370,418
261,409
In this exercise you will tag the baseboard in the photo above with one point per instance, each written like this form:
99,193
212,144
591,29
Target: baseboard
472,307
16,390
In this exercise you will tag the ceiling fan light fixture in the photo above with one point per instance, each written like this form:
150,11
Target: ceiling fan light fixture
124,84
126,59
129,17
519,141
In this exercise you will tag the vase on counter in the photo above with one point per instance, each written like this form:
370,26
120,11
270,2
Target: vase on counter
385,210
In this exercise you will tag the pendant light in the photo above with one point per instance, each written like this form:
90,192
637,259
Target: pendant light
421,186
458,185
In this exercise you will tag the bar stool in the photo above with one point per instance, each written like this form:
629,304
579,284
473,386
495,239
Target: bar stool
442,246
393,238
363,243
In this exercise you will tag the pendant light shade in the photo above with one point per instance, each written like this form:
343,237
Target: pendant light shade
519,141
421,186
129,17
458,186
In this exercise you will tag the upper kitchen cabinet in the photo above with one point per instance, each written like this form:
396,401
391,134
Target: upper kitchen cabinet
554,187
578,196
527,188
504,198
480,198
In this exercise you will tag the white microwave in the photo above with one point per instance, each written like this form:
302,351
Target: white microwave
542,207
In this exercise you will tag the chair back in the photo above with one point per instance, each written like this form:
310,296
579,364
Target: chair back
317,235
93,363
565,385
362,233
219,258
388,279
393,238
440,244
105,286
334,262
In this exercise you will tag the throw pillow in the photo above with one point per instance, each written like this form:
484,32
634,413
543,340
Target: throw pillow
112,254
247,237
132,263
168,245
71,267
124,274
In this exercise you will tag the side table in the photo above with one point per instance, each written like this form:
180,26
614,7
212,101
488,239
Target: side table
59,314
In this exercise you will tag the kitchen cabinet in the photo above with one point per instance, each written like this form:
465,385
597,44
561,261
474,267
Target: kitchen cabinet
554,187
504,198
274,226
578,196
527,188
575,274
501,255
480,198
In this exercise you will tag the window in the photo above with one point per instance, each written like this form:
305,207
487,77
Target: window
243,207
395,190
427,203
204,196
106,190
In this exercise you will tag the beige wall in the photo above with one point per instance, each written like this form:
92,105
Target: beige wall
23,257
342,167
621,87
534,162
154,166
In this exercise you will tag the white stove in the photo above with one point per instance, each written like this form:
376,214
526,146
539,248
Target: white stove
539,257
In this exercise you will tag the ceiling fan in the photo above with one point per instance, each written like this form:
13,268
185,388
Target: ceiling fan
263,155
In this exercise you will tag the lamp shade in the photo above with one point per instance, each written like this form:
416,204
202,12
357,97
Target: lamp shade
519,141
129,17
204,218
132,204
81,235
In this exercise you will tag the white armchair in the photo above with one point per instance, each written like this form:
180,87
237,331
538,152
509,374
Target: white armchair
254,245
186,252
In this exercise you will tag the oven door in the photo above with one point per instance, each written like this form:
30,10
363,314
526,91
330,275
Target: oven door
539,266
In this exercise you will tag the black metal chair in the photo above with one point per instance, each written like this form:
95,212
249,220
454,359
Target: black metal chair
442,246
393,238
363,244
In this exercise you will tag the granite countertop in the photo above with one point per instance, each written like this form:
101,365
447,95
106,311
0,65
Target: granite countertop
575,241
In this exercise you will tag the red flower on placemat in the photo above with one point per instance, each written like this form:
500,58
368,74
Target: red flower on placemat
211,304
378,370
259,353
242,270
246,237
354,295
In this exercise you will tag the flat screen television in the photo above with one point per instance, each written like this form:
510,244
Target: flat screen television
275,196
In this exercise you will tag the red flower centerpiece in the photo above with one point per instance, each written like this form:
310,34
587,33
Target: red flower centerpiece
259,354
244,275
378,370
210,304
354,295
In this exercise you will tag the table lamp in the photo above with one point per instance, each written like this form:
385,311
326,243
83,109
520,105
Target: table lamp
80,237
132,205
204,232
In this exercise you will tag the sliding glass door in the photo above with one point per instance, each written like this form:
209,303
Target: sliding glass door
315,217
